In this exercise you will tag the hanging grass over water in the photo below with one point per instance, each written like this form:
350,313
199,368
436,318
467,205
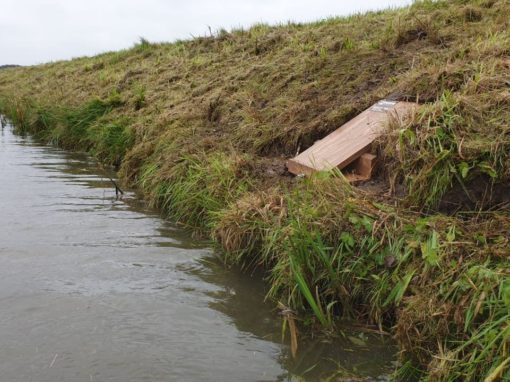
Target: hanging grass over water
196,188
110,140
203,127
84,127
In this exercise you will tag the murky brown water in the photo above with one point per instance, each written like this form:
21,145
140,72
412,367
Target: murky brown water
98,289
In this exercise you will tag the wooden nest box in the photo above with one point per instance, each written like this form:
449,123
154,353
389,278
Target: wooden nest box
348,147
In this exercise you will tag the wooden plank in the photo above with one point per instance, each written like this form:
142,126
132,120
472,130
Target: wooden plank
351,140
361,169
364,165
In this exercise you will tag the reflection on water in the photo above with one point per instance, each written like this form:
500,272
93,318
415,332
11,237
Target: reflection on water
94,288
368,355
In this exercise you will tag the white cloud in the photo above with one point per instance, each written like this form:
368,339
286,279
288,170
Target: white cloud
34,31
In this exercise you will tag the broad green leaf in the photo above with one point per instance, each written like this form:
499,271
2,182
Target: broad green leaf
464,169
347,239
488,169
430,249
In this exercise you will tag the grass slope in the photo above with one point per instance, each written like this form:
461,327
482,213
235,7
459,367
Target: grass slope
202,128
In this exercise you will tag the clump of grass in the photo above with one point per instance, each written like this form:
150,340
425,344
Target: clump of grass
439,149
74,127
196,187
111,140
142,45
244,229
72,132
140,98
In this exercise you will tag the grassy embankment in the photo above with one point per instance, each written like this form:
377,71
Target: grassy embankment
202,129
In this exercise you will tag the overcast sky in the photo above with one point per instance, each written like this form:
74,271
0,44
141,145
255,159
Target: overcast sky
35,31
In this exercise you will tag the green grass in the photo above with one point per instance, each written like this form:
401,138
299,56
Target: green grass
358,261
202,129
85,127
195,189
110,140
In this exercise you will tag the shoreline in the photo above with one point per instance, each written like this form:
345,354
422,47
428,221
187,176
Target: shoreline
432,263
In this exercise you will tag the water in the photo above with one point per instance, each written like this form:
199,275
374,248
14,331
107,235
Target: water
93,288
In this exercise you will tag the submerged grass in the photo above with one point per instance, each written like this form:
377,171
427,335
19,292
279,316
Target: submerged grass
202,128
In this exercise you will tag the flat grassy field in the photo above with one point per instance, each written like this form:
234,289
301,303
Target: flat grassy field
202,129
